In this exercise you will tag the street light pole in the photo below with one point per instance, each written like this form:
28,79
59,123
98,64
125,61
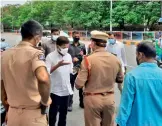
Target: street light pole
110,15
12,23
161,9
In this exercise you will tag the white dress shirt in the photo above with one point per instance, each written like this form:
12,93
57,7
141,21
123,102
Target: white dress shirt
60,78
119,50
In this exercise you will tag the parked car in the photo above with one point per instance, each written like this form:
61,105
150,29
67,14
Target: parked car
4,45
47,35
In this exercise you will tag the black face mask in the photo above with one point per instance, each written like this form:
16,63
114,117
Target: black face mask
76,39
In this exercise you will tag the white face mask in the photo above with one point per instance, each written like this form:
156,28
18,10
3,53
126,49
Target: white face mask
54,37
64,51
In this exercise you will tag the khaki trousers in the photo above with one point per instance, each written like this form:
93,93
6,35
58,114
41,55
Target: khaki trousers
24,117
99,110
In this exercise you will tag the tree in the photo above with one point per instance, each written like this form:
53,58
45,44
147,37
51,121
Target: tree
82,14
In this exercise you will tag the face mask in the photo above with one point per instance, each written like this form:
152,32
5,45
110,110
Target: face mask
54,37
112,41
63,51
76,39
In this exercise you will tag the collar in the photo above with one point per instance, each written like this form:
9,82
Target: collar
52,41
148,64
100,50
26,43
77,45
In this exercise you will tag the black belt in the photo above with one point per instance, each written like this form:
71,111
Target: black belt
104,93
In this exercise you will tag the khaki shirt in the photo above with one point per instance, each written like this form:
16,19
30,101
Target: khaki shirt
18,73
104,69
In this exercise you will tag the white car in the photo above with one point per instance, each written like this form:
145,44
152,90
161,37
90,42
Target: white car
47,35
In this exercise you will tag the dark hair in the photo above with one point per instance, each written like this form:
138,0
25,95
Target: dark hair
55,30
147,48
99,42
75,32
111,33
62,40
30,29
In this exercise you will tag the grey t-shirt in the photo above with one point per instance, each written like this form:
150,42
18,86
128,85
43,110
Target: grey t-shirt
49,47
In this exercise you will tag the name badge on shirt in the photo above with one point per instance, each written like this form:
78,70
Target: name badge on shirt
41,57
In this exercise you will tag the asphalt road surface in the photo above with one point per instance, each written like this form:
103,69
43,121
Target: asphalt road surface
76,117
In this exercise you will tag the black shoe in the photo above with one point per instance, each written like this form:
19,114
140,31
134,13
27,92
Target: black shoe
81,105
70,109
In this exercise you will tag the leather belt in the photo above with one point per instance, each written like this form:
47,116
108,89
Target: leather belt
27,108
104,94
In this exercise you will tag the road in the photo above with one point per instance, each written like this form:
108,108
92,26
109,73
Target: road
76,117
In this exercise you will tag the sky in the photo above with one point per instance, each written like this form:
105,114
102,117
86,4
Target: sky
5,2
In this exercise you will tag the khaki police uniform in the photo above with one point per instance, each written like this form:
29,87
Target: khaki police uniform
99,85
18,73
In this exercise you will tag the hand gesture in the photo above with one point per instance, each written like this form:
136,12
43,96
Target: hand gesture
75,59
81,53
62,63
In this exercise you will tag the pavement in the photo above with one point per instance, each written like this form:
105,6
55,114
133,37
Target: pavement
76,117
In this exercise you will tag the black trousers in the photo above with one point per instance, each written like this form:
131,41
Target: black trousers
3,115
59,104
72,81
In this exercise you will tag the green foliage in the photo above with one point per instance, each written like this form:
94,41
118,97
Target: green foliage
81,14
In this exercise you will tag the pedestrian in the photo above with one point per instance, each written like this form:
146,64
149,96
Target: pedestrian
141,97
59,64
158,46
25,81
98,74
50,45
76,50
117,48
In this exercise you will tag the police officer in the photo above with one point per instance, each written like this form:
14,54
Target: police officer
25,80
98,74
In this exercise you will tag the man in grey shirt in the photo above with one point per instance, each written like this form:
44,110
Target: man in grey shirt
77,50
50,45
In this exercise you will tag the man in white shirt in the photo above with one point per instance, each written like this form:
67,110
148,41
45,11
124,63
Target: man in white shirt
117,48
59,64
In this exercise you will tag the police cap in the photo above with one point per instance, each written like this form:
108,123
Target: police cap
99,35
